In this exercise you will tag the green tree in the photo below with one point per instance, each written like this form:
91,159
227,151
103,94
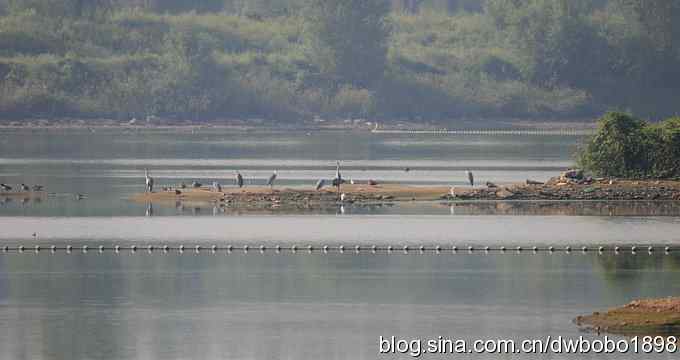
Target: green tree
348,39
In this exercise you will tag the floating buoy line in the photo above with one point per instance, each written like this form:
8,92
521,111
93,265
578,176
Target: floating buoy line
337,249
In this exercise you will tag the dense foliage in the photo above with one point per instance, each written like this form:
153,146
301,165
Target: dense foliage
627,147
293,59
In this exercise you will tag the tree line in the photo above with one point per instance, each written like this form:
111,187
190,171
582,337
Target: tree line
295,59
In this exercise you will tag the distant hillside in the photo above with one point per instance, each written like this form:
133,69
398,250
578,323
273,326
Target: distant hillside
295,59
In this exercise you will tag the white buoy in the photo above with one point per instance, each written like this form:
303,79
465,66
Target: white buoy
53,249
262,248
374,249
84,249
357,249
342,249
101,249
37,249
214,249
149,249
197,249
116,249
68,249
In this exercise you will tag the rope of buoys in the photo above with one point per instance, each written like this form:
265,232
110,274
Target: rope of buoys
340,249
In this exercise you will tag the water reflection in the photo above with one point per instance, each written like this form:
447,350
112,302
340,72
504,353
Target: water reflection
300,306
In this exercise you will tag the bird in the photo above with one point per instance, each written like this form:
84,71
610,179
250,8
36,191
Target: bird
471,178
272,178
196,184
217,187
5,187
320,184
183,185
38,188
351,181
80,196
178,192
452,191
239,179
25,187
407,169
149,181
343,197
489,184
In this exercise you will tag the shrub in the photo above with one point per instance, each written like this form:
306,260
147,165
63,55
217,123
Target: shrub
628,147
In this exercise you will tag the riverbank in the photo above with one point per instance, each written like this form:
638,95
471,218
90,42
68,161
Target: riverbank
640,317
604,189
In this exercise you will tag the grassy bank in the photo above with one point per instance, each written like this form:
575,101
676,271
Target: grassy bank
129,62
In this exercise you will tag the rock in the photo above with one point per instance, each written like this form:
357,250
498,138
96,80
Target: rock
573,174
534,182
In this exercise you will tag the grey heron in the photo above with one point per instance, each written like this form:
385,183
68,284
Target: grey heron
25,187
149,181
239,179
5,187
471,178
182,185
338,178
320,184
196,184
491,185
270,181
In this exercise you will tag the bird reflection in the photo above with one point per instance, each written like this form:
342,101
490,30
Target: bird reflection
149,210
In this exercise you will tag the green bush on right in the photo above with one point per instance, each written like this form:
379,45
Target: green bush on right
627,147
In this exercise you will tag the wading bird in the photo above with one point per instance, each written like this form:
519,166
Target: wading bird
25,187
149,181
471,178
38,188
239,179
196,184
452,191
5,187
320,184
272,178
216,186
491,185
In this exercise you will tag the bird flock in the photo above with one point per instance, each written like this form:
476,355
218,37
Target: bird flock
336,182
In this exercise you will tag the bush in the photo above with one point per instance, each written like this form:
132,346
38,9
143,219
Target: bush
631,148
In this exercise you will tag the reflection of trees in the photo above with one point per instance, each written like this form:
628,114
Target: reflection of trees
616,268
573,208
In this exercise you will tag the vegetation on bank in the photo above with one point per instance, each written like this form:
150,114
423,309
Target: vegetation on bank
627,147
294,59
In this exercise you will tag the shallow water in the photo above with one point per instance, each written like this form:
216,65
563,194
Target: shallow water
303,306
108,166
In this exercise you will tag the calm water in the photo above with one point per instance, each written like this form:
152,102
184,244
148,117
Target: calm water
302,306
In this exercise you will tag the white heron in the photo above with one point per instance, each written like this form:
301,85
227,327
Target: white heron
320,184
239,179
216,186
271,180
149,181
471,177
452,191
